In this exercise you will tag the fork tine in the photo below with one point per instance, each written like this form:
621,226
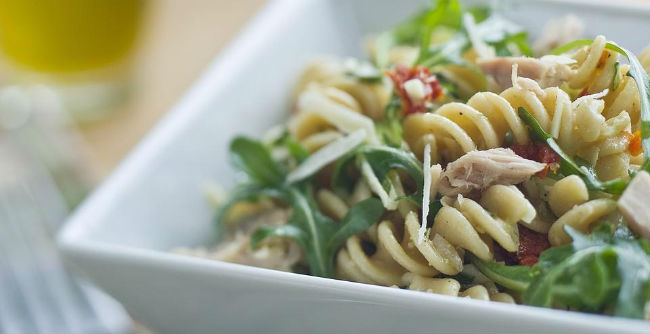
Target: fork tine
12,305
57,301
46,294
78,310
37,294
14,256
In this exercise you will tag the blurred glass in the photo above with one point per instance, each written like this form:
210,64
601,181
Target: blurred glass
82,48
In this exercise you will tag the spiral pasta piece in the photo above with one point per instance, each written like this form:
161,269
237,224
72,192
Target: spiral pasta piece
324,115
369,98
451,287
398,245
483,122
568,198
598,69
595,67
456,128
603,141
323,88
566,194
582,218
394,243
467,224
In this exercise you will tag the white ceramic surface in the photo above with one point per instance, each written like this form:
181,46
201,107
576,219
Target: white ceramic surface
155,201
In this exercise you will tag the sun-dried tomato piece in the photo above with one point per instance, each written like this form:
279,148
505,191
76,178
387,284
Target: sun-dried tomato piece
531,245
634,146
540,152
430,85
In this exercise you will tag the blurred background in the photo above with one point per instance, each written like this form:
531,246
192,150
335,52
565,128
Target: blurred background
81,82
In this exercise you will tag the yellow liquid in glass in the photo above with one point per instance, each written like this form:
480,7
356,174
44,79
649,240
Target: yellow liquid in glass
68,35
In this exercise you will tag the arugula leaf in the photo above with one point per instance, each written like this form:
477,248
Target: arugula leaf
417,29
480,13
604,270
516,278
567,165
520,40
432,19
473,77
297,151
638,73
582,42
255,160
286,231
581,280
634,266
243,193
362,70
495,31
319,236
382,159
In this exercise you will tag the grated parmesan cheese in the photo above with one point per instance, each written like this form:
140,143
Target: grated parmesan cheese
326,155
426,191
415,90
374,184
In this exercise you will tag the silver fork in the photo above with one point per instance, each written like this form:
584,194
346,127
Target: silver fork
37,294
42,296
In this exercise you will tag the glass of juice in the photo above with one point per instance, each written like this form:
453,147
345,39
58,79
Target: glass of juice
82,48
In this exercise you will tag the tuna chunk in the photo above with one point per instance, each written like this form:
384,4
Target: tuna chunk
547,71
634,204
481,169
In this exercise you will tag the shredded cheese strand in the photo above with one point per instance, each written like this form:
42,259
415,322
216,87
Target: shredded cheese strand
326,155
483,50
514,76
594,96
374,184
426,191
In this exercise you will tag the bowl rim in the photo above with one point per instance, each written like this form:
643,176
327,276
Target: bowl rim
395,296
73,244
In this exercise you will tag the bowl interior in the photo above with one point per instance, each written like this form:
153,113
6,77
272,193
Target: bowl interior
155,201
157,198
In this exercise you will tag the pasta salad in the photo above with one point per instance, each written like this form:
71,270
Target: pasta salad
459,160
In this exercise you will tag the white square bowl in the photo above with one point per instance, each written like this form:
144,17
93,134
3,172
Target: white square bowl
120,237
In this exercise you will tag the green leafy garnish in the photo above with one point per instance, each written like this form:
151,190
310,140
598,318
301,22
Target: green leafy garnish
417,30
242,193
567,165
599,269
445,9
503,46
296,150
607,269
582,42
495,31
382,159
362,70
253,158
638,73
318,236
516,278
